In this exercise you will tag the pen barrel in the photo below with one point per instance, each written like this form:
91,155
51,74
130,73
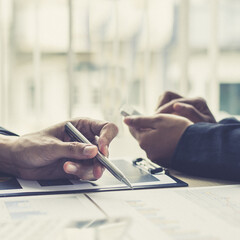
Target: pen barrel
75,134
110,167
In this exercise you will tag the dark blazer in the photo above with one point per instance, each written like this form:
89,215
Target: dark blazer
6,132
210,150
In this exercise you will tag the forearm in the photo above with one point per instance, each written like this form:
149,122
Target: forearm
6,164
210,150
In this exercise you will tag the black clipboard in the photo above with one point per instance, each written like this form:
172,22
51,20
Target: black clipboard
139,176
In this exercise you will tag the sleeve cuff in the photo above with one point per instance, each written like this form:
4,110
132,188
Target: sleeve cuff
209,150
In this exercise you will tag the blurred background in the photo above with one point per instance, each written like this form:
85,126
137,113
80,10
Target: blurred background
67,58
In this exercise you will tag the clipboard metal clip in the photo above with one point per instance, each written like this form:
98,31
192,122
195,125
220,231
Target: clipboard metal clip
149,166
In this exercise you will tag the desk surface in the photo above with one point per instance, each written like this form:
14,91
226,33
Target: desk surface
194,181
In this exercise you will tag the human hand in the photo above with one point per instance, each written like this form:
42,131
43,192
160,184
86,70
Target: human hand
195,109
50,153
158,135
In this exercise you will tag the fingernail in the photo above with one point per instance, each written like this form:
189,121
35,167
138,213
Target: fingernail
106,151
89,150
127,120
179,106
129,117
71,168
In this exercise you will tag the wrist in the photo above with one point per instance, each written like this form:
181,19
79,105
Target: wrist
6,161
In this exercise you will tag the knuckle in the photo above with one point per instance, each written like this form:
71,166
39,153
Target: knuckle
168,93
112,127
191,109
200,101
173,101
72,147
78,123
165,95
150,155
143,144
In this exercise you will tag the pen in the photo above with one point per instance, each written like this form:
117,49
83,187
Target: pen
78,136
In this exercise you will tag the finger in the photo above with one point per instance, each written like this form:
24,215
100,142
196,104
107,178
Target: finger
107,133
98,169
74,150
189,112
82,171
168,107
135,132
104,129
141,122
103,148
167,97
51,171
92,128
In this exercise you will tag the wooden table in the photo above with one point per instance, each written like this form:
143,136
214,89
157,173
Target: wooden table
194,181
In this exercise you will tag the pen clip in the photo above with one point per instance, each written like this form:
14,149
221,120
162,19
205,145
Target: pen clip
149,166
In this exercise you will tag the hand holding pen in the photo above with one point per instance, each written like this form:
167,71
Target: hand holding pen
105,132
78,136
50,153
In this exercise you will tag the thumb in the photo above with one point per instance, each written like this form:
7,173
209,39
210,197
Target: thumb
188,111
75,150
140,122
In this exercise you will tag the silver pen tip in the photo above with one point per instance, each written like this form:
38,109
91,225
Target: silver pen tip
127,183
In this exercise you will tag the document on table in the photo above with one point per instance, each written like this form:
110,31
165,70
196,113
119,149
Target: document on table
57,217
186,213
211,213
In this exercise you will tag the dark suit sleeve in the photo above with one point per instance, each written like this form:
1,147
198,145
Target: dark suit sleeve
6,132
210,150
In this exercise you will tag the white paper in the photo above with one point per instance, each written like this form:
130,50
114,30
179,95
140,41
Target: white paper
186,213
69,206
44,217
